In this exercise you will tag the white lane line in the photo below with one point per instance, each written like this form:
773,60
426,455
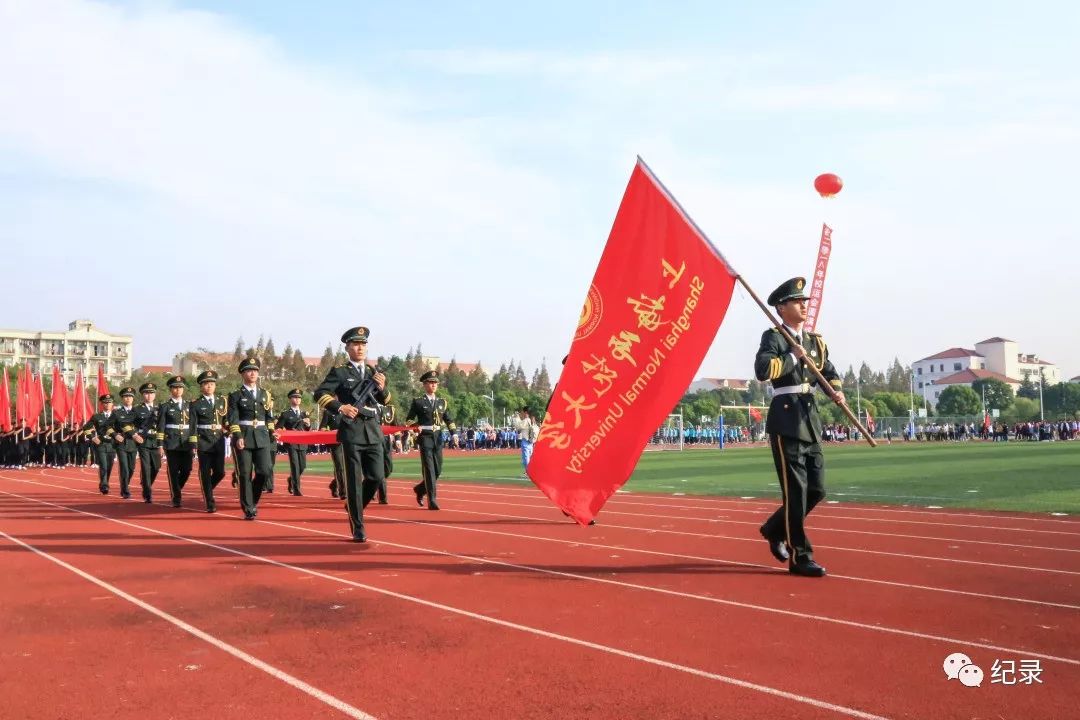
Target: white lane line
236,652
850,712
451,491
756,523
853,578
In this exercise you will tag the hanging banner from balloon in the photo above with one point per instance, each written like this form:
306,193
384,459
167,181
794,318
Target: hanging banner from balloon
817,285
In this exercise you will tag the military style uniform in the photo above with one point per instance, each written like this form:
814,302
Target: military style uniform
794,429
174,433
126,449
432,414
207,415
295,419
361,438
251,419
99,429
146,430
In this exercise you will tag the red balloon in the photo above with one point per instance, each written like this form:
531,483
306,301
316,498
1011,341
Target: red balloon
828,184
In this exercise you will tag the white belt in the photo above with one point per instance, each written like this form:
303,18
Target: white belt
177,427
209,427
432,428
803,389
252,423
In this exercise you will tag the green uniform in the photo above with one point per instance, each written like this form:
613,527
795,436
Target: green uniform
251,419
432,414
99,430
794,429
146,428
293,419
126,449
207,415
361,438
174,434
329,421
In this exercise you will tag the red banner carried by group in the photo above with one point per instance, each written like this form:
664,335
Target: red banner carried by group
657,298
59,398
817,282
5,402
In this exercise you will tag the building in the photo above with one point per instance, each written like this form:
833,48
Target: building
148,370
83,346
718,384
994,358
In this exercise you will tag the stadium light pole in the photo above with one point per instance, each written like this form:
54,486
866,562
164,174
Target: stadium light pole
1042,417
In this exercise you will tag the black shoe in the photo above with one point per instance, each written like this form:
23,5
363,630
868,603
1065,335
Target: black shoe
419,495
249,516
104,490
359,537
125,496
147,500
176,503
384,501
297,493
806,568
432,505
592,522
268,490
778,548
211,508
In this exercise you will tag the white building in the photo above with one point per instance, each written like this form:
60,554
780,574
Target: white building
995,358
81,347
706,383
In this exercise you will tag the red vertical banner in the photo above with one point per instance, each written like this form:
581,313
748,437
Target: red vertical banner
817,283
102,383
78,402
652,310
59,397
21,396
5,401
35,403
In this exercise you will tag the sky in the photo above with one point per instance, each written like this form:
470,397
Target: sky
447,173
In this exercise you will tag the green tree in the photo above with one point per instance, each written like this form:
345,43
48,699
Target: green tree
755,392
477,381
298,368
269,359
898,377
998,394
1061,400
1028,389
238,351
326,361
519,381
959,400
453,380
541,382
1021,410
502,379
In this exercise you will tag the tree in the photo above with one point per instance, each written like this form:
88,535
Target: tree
1061,400
866,375
297,367
270,363
1028,389
326,361
849,377
541,382
519,381
453,380
998,394
959,400
502,379
477,381
238,351
1022,410
898,377
755,393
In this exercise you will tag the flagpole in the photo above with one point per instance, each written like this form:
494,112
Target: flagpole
825,386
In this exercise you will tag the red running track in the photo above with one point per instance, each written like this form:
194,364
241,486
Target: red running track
497,606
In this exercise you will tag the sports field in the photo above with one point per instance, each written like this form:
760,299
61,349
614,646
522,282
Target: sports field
1019,476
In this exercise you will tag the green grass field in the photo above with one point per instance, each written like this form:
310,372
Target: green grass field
1032,477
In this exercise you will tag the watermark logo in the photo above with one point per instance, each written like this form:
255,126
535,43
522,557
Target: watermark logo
958,666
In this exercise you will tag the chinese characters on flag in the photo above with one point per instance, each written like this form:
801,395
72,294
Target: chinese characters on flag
817,283
657,298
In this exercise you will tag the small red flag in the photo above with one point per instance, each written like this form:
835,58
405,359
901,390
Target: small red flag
59,397
5,402
656,300
102,383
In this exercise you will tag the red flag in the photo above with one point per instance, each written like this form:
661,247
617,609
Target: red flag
869,421
986,421
755,414
79,417
59,398
5,402
20,397
35,400
817,282
655,303
102,384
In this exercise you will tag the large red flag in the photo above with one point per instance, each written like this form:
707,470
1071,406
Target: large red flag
102,383
657,298
59,397
79,414
20,396
5,402
35,400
